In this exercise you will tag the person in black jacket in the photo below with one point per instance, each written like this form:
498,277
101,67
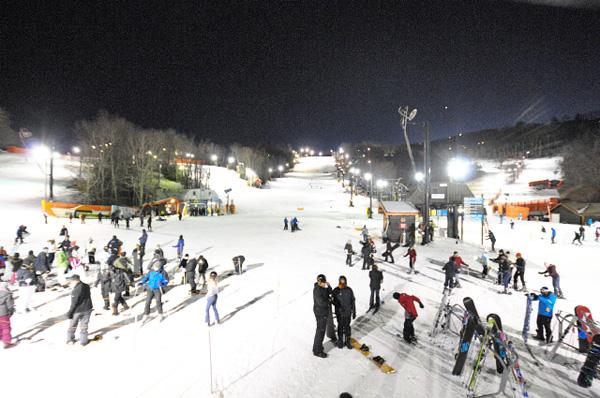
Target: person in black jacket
345,307
375,277
520,272
349,252
190,274
238,261
42,264
366,254
120,283
202,267
450,271
321,309
104,279
80,311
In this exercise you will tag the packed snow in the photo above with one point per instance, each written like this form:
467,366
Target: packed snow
264,346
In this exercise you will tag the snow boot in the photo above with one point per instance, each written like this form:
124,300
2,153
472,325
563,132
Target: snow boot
125,306
348,344
106,304
320,354
115,310
340,344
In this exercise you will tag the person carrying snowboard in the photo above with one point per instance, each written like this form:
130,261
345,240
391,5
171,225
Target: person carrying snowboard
7,309
545,313
80,311
408,303
322,310
412,257
375,279
551,271
153,281
345,310
520,272
349,252
450,272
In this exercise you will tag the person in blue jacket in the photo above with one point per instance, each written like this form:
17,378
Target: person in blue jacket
545,313
154,282
552,234
179,246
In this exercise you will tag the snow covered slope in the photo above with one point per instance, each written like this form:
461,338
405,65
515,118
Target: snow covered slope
263,348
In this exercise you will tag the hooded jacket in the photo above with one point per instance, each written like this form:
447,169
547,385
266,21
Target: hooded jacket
7,305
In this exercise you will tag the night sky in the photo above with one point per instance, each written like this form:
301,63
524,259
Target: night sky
314,73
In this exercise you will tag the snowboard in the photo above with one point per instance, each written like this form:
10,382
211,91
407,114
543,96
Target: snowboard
589,369
498,344
589,326
376,360
525,333
466,336
470,306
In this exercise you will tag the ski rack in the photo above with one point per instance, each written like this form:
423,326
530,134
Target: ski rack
571,321
444,316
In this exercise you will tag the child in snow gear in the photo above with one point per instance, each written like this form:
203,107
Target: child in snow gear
212,294
408,303
80,311
412,257
458,261
104,279
238,261
375,279
551,271
322,310
7,308
154,282
345,307
349,252
545,313
520,272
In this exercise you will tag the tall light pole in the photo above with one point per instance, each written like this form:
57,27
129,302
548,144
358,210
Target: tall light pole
353,172
427,178
369,178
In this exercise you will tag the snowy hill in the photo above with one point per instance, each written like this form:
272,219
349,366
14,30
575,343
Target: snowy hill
263,347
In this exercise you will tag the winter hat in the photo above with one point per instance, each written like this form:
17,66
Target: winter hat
544,289
321,278
75,277
518,254
396,295
342,277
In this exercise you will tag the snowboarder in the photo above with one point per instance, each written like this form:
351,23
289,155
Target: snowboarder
190,274
7,309
349,252
412,257
104,279
322,310
520,272
552,235
202,267
408,303
238,262
285,224
345,307
154,282
80,311
492,238
545,313
450,271
180,244
27,280
577,238
212,294
375,279
389,248
551,271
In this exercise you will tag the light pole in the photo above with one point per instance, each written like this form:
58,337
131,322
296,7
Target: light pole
353,172
381,184
369,178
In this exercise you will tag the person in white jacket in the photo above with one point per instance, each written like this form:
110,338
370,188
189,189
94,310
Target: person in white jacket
212,293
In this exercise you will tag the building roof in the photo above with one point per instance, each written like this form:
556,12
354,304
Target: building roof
580,208
399,207
442,193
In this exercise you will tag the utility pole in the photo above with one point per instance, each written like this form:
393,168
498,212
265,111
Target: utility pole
51,184
427,178
371,197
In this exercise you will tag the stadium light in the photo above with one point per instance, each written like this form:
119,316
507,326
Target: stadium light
230,160
458,168
419,176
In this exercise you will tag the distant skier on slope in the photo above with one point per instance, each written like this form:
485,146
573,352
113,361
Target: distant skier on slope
408,303
551,271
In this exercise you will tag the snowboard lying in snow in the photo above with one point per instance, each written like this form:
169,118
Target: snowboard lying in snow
376,360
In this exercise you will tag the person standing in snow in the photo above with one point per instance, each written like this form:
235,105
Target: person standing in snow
27,280
366,253
80,311
345,310
412,257
322,310
154,282
100,216
551,271
512,224
543,232
120,283
408,303
375,279
577,238
104,279
150,222
450,271
180,244
42,264
143,239
138,265
597,233
63,231
505,268
190,274
520,272
202,267
458,261
285,224
7,309
212,294
238,262
349,252
389,248
582,232
545,313
552,235
365,233
492,238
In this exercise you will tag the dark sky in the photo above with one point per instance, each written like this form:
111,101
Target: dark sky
301,72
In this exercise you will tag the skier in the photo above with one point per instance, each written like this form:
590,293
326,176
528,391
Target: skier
458,261
27,280
349,252
190,274
577,238
212,294
7,309
238,261
80,311
492,238
545,313
552,234
408,303
450,271
375,279
388,252
412,257
285,224
154,282
104,279
322,310
91,251
120,283
551,271
180,244
520,272
582,232
202,267
345,307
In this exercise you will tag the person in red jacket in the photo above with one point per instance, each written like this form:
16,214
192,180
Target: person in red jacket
412,258
459,264
408,303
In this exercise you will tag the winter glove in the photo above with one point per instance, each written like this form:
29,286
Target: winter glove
421,305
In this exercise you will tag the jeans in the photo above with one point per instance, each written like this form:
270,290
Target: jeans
374,299
448,282
82,319
556,285
156,294
211,302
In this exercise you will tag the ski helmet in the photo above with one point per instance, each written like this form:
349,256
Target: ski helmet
321,278
544,290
